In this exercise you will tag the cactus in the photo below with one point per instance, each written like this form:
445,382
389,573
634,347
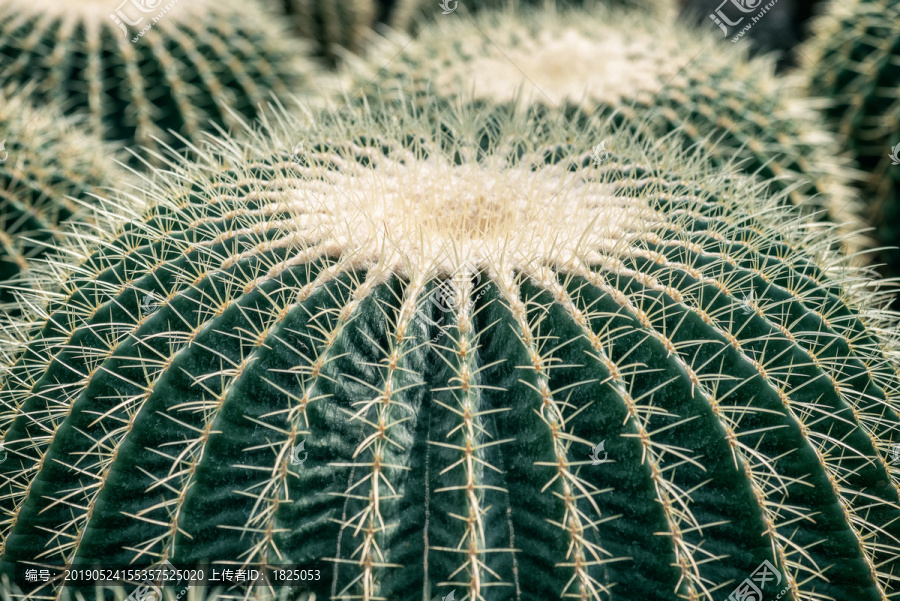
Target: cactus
167,592
47,166
331,25
172,70
406,11
452,328
348,24
853,59
654,74
778,27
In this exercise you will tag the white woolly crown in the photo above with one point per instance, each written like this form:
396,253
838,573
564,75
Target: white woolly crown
422,215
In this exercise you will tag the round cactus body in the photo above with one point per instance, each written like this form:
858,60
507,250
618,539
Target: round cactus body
46,166
853,59
654,75
142,68
467,371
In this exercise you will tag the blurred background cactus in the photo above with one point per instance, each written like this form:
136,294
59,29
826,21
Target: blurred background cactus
172,69
653,75
743,386
347,25
331,24
784,25
853,60
46,166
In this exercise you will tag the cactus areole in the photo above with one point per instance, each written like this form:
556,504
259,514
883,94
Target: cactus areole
495,374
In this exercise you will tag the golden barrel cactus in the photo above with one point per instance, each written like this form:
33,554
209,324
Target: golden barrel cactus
444,368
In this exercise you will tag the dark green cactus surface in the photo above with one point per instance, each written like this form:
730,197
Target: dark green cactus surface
669,81
402,12
331,24
348,24
546,377
172,69
46,165
854,60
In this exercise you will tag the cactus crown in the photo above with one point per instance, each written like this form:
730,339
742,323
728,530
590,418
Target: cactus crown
430,214
707,340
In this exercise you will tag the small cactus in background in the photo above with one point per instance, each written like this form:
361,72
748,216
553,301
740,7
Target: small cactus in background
654,75
170,70
44,162
332,24
348,24
853,59
451,332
